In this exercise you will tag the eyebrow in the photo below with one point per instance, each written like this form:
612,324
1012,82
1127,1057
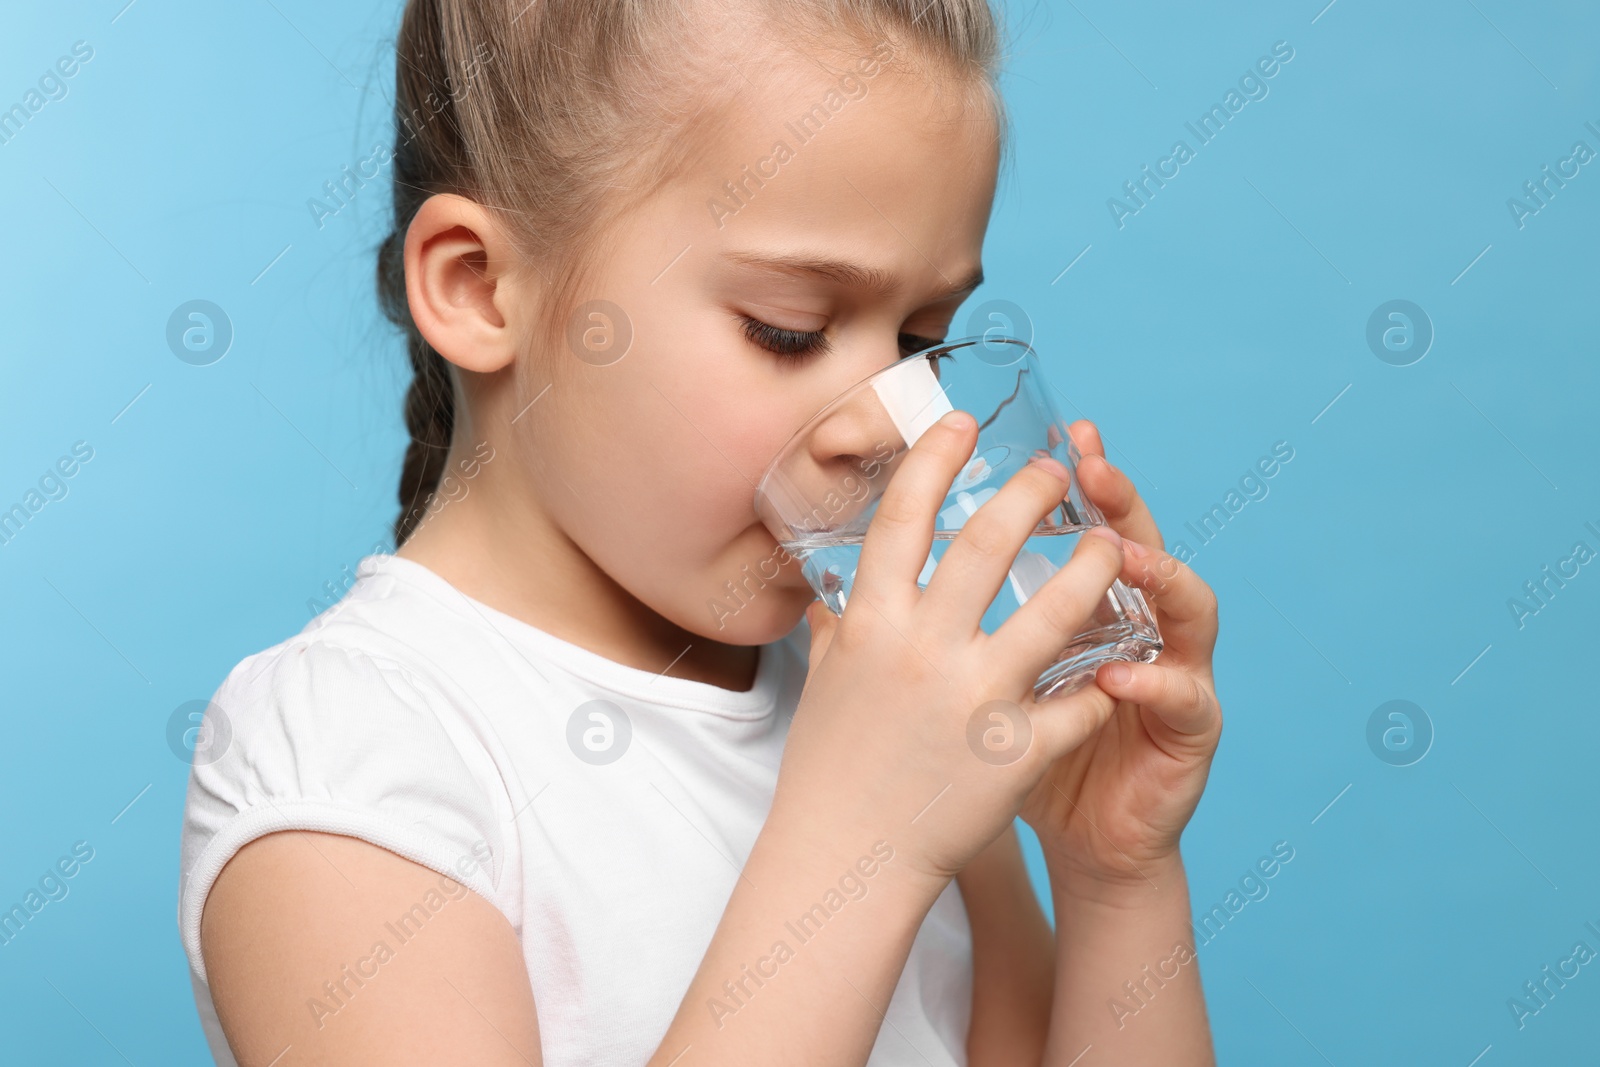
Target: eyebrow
851,275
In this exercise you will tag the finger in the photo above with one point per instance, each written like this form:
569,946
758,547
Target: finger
1176,696
1085,436
1062,608
975,564
1111,490
1186,607
1114,493
900,534
1062,723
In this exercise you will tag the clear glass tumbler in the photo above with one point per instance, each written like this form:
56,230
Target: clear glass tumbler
819,494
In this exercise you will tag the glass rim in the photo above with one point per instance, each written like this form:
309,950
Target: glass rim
828,408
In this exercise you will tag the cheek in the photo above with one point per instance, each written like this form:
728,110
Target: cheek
653,466
652,462
670,516
721,459
702,437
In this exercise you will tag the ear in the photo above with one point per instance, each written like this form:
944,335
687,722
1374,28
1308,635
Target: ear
459,283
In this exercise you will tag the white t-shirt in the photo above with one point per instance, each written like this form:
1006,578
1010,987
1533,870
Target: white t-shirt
430,724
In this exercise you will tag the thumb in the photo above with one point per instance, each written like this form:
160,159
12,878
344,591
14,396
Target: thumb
822,624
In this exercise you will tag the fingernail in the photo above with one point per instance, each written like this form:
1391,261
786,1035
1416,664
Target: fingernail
955,419
1134,549
1118,673
1106,532
1054,466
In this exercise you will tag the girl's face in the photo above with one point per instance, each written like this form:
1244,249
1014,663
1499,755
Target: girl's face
835,224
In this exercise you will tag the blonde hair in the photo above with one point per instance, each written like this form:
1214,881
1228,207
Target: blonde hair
557,115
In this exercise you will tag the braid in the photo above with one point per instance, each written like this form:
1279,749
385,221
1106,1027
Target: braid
430,406
426,159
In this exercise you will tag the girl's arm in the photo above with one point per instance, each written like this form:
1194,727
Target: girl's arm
306,967
1110,815
291,932
1028,981
1127,979
1013,958
786,982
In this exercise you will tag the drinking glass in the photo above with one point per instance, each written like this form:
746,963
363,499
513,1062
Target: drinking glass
819,494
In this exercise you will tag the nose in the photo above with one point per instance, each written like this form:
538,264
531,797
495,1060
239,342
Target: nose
856,431
847,454
856,446
882,414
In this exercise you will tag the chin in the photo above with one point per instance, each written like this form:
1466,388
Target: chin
756,617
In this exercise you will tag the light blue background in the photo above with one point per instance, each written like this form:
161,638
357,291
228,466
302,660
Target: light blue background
1227,315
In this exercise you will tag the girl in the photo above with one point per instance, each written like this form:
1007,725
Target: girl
564,780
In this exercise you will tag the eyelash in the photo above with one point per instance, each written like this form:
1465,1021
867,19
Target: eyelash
795,346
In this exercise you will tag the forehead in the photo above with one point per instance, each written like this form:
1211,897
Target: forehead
868,86
855,146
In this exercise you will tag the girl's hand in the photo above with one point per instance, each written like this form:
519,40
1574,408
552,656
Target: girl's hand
881,798
880,746
1113,809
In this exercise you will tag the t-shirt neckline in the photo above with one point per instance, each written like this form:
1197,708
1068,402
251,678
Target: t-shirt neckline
664,689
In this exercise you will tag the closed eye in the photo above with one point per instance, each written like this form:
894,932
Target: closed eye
790,344
797,345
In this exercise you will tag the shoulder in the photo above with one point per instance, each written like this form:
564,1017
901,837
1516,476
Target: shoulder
332,731
284,908
376,673
326,700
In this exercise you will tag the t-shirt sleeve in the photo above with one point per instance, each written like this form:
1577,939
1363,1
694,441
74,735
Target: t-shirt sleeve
312,736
